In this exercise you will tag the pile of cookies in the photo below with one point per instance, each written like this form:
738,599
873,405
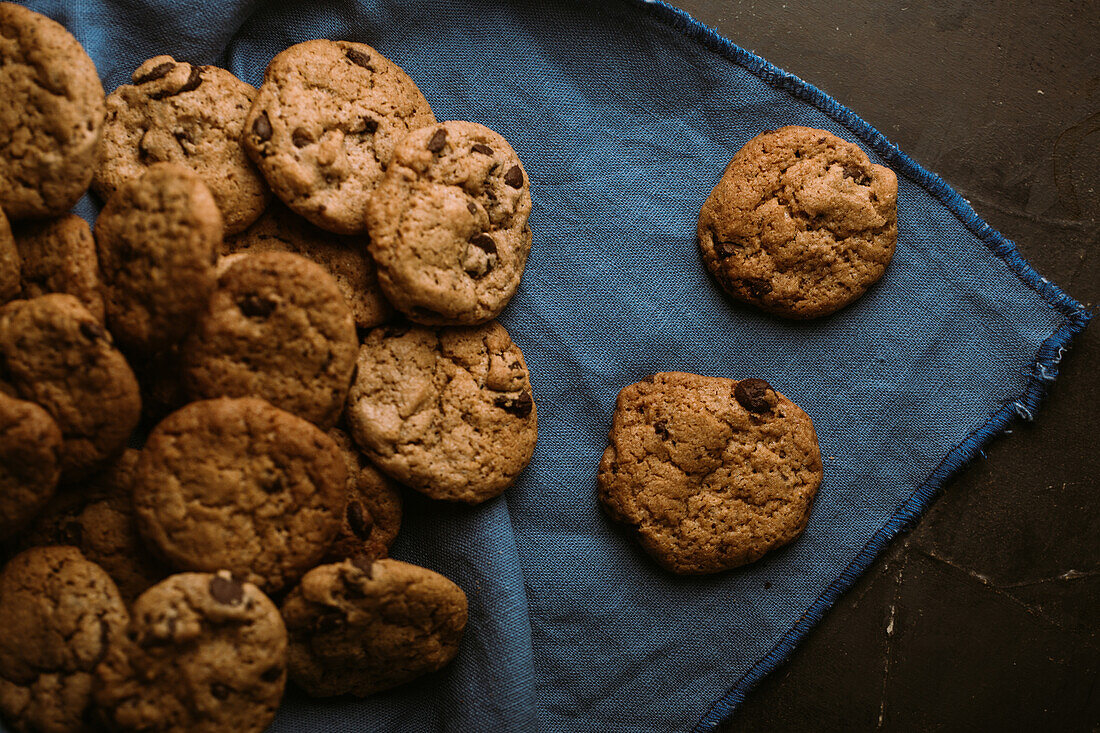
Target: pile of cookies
291,291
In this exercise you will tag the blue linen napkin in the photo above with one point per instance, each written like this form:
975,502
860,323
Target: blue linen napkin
625,114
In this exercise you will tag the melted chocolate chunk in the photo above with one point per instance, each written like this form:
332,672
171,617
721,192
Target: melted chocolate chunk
358,58
752,394
261,128
483,149
514,177
359,521
439,139
519,406
226,591
157,72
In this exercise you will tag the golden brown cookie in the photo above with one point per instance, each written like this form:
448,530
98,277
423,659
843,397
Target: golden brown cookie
361,627
30,462
448,224
58,256
204,653
373,514
175,112
801,224
51,115
241,485
710,473
446,411
10,265
324,125
59,614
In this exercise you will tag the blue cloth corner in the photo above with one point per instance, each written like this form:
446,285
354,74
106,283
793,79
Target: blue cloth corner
625,114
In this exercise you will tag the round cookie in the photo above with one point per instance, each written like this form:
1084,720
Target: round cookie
59,256
51,116
710,473
60,614
373,515
324,125
190,115
801,223
30,463
158,238
204,654
241,485
55,353
276,327
10,265
446,411
281,230
448,224
98,519
361,627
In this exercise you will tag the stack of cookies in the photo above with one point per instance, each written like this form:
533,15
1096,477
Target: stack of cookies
290,293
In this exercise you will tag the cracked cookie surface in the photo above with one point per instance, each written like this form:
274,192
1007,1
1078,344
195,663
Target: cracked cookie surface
157,240
710,473
281,230
175,112
324,125
801,223
60,615
447,411
51,116
56,354
10,264
448,224
30,462
361,627
276,327
58,256
203,653
373,514
241,485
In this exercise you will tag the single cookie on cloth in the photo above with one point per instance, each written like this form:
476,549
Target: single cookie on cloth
276,327
30,463
446,411
361,627
59,256
710,473
158,238
204,653
324,125
373,514
240,485
10,264
59,614
175,112
345,258
448,224
801,223
57,354
51,115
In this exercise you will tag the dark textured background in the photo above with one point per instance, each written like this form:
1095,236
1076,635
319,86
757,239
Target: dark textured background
985,615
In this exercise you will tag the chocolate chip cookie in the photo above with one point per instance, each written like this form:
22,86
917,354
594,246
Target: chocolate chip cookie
30,462
10,264
448,224
97,517
801,224
239,484
373,514
204,653
345,258
175,112
324,125
59,256
276,327
50,118
710,473
60,614
157,238
57,354
446,411
361,627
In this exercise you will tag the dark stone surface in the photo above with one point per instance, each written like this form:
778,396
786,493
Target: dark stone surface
986,615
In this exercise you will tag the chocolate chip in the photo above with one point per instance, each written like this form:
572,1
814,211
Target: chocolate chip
92,331
359,521
273,484
226,591
193,80
857,175
752,394
358,58
271,674
370,125
261,128
519,406
483,149
219,690
472,207
758,286
254,306
439,139
157,72
727,248
365,564
301,137
514,177
485,243
661,428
